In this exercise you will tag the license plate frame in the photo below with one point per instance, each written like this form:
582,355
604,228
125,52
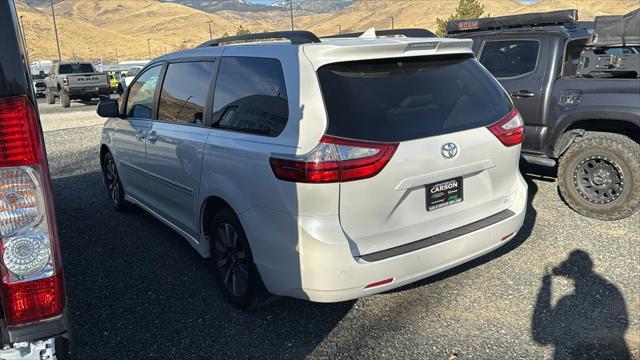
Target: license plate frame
444,193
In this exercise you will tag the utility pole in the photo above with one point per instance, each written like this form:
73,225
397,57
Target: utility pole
291,12
392,27
339,29
149,47
210,32
117,63
55,29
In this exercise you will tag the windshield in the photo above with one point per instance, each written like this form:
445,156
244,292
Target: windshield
76,68
409,98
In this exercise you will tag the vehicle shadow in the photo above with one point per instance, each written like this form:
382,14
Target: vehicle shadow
519,239
587,324
140,291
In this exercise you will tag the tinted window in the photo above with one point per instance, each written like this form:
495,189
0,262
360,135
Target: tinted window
184,92
572,56
76,68
508,58
409,98
251,96
140,100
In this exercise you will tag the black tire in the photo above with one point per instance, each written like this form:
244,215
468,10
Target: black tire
51,99
599,176
112,181
65,100
232,262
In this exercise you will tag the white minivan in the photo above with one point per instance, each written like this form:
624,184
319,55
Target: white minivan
322,169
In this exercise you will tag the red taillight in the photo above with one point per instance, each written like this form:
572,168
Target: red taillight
33,300
19,140
31,279
65,81
510,129
334,160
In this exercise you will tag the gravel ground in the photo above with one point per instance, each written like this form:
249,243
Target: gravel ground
138,291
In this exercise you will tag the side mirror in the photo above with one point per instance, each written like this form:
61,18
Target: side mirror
108,108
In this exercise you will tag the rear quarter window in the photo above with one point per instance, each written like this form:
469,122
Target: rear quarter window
409,98
250,96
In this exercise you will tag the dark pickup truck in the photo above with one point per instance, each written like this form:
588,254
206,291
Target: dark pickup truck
588,125
33,312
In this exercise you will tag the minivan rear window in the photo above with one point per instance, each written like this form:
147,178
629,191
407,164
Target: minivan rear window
76,68
404,99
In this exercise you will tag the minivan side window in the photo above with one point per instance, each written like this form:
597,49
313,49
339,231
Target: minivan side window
509,58
184,92
140,100
250,96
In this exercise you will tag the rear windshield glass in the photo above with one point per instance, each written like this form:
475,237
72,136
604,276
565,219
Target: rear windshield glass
409,98
76,68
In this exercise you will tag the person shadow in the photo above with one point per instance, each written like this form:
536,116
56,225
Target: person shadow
589,323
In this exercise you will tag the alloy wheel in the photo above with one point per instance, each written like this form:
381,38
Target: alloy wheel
598,179
231,259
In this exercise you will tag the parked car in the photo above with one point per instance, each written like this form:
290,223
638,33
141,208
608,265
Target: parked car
33,320
323,170
75,80
39,86
590,126
114,83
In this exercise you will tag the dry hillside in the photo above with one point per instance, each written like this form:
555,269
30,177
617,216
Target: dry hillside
96,28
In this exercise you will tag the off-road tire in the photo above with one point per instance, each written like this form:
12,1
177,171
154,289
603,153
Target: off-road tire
51,99
255,293
65,100
615,149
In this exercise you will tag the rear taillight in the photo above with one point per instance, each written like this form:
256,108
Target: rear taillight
510,129
334,160
32,286
65,81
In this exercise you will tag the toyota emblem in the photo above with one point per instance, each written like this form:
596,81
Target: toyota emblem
449,150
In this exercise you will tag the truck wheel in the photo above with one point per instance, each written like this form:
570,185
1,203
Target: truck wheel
599,176
232,262
65,100
50,97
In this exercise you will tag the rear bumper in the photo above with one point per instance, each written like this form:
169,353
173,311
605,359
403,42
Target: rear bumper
94,91
27,341
322,268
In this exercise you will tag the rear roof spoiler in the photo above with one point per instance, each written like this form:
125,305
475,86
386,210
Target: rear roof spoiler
552,18
296,37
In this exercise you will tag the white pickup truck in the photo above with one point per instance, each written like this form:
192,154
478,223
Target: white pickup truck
75,80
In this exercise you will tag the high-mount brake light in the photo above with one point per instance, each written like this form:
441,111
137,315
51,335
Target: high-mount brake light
30,269
510,129
334,160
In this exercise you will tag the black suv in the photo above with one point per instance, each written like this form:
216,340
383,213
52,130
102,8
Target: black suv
33,320
589,124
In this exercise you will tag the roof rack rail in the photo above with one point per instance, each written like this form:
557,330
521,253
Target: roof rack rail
411,32
551,18
296,37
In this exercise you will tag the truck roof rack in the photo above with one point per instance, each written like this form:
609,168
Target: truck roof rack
296,37
552,18
410,32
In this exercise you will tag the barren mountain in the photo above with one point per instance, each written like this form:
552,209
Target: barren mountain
98,28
